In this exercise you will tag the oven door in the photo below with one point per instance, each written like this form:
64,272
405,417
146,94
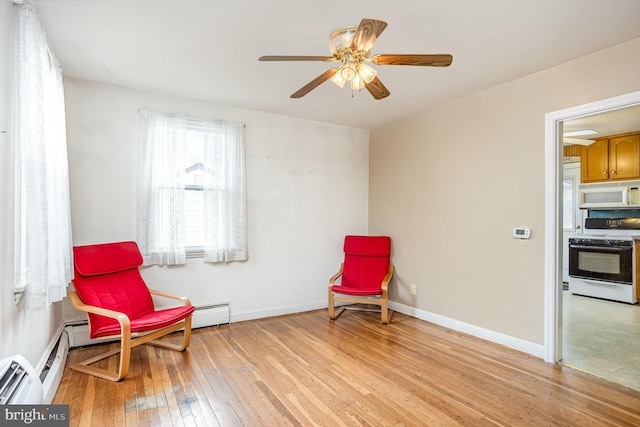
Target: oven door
606,263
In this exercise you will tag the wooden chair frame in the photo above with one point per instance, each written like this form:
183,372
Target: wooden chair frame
382,300
128,339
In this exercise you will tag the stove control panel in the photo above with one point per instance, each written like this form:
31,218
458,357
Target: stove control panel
600,242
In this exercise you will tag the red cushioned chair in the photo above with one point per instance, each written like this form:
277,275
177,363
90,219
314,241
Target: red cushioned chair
119,305
364,276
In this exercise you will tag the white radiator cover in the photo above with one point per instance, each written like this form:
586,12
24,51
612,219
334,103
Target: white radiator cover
211,315
204,316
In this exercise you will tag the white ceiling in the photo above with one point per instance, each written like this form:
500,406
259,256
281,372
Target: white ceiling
608,123
208,50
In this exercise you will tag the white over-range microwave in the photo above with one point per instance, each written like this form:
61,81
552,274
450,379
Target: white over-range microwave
610,197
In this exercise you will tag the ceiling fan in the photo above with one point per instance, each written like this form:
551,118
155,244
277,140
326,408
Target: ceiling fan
351,47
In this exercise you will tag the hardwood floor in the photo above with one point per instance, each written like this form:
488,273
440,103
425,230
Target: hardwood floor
304,370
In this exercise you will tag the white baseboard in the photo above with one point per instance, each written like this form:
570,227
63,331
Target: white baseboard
278,311
529,347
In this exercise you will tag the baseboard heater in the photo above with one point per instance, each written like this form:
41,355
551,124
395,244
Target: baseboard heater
51,374
203,317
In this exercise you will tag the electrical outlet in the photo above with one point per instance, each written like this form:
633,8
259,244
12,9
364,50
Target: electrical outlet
414,289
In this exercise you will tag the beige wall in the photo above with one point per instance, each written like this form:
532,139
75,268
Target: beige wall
449,184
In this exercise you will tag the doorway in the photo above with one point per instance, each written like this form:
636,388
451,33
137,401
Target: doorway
553,345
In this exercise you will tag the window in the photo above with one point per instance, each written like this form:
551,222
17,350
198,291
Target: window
192,189
194,177
43,244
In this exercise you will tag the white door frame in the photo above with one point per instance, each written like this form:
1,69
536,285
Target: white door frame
553,213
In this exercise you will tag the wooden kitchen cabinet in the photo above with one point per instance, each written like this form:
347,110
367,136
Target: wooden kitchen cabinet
613,158
624,157
594,161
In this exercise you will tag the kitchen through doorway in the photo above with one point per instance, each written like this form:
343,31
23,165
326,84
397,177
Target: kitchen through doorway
556,325
599,336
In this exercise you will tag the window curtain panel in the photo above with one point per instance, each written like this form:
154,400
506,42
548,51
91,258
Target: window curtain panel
44,260
161,191
225,210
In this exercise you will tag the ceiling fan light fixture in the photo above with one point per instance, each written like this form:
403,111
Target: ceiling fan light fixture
338,80
348,71
351,47
341,38
366,72
357,83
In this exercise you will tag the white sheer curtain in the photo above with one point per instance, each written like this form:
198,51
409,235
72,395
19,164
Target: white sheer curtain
44,247
163,141
161,190
225,210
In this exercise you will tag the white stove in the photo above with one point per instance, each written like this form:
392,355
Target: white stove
602,260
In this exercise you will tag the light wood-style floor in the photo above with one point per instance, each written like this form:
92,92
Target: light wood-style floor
304,370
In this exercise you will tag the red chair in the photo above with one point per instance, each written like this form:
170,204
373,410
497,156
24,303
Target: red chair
364,276
119,305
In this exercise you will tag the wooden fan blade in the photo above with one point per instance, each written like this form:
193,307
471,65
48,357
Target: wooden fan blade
377,89
314,83
366,34
296,58
438,60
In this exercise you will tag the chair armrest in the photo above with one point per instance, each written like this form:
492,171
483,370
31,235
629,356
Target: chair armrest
387,278
184,300
122,318
332,280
